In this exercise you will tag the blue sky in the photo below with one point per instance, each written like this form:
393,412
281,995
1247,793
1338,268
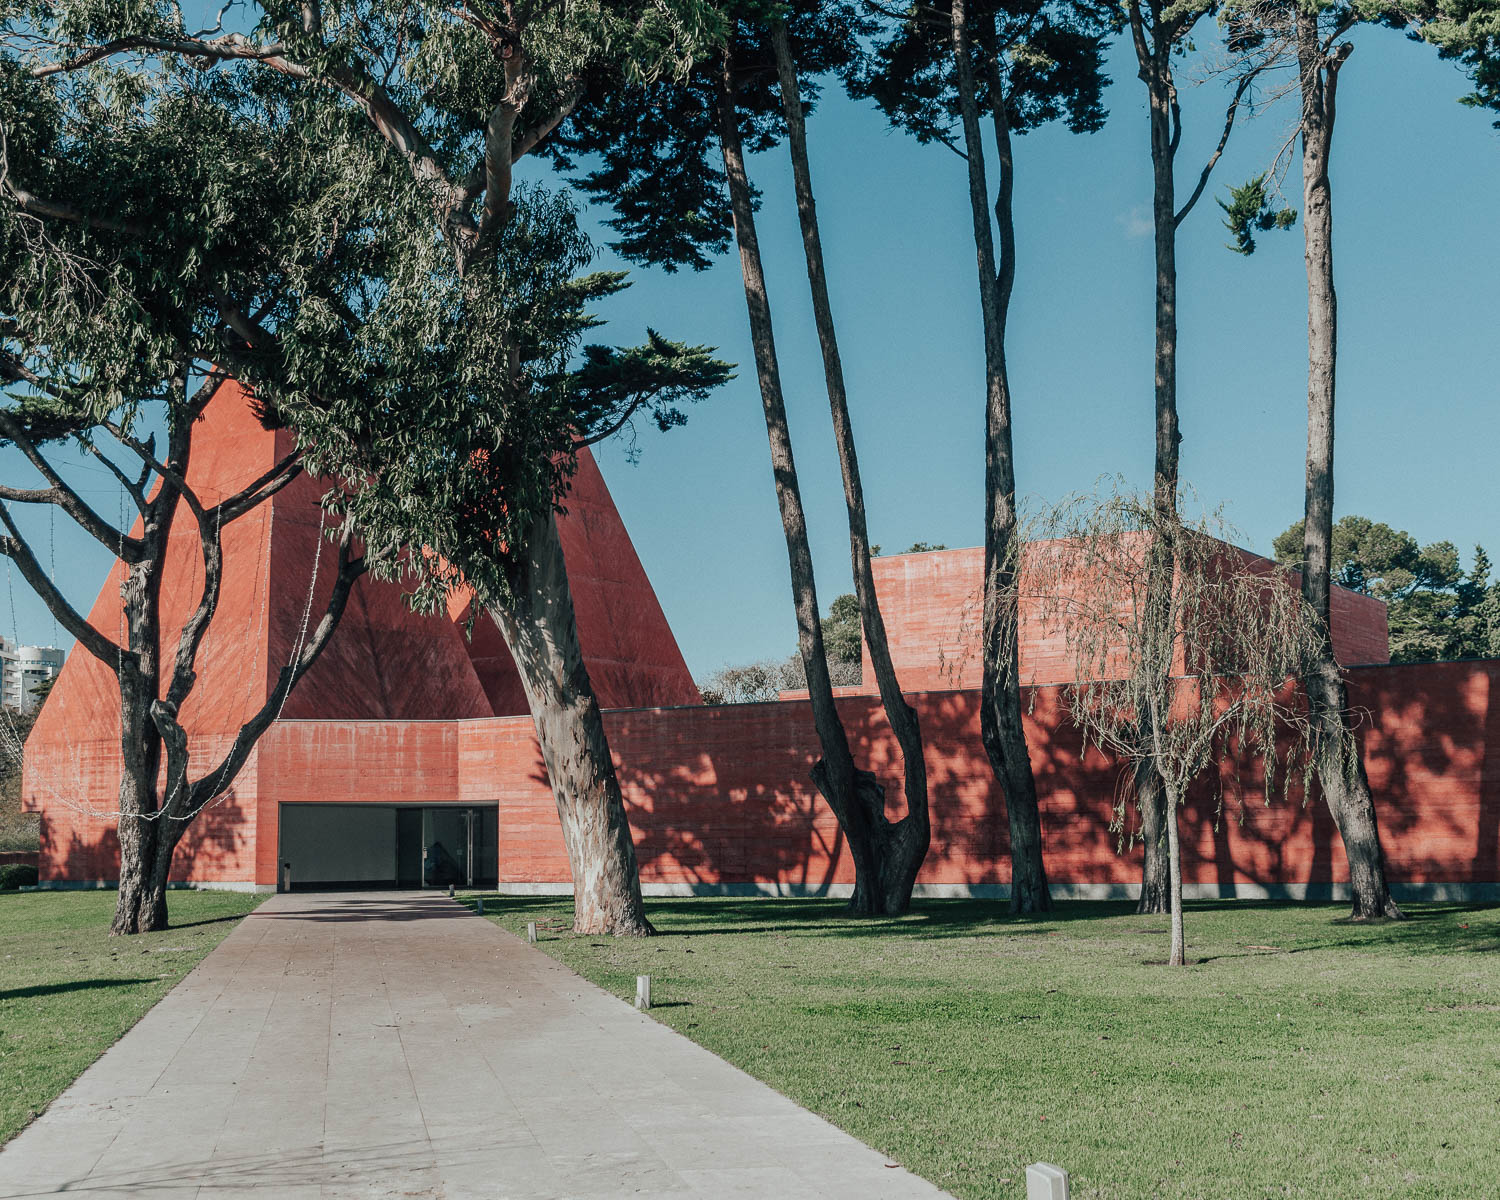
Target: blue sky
1417,249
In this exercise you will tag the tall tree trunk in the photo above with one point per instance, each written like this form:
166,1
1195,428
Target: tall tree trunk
1001,723
1156,72
1178,954
900,848
1340,764
542,634
138,906
856,797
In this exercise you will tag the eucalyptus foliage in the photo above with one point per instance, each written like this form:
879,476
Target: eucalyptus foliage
422,341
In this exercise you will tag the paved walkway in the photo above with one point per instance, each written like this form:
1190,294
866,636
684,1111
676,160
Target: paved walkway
394,1045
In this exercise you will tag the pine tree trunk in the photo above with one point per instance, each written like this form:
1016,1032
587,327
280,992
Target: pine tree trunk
1001,723
1156,873
899,854
882,851
1156,70
1337,755
542,634
1178,955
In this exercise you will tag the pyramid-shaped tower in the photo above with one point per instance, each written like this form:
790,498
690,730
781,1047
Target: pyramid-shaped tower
384,662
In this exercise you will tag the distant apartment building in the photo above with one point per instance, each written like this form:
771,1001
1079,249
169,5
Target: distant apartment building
22,668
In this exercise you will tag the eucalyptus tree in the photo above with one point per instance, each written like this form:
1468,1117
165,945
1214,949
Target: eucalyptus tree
1313,35
135,209
460,341
936,71
651,157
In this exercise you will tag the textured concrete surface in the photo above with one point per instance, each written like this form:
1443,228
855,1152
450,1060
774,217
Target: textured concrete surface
393,1045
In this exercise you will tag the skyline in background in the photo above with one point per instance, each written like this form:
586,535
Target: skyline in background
1416,256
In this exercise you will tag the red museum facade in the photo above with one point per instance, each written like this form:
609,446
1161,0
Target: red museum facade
406,756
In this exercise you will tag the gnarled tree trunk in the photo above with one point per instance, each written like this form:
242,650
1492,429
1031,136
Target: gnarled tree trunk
1340,764
1001,721
894,851
542,634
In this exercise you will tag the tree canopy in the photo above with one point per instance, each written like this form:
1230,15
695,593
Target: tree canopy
1438,611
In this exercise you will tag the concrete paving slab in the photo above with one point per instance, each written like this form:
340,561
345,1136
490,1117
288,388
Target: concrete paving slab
355,1046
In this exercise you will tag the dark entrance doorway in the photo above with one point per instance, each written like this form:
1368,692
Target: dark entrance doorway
326,846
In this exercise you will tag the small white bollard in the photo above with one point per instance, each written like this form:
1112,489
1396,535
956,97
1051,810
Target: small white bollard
286,877
479,906
531,932
643,992
450,891
1046,1182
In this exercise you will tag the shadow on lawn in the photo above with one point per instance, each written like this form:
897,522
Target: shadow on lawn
696,917
1430,928
76,985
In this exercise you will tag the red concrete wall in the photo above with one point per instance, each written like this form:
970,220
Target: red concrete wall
932,607
721,795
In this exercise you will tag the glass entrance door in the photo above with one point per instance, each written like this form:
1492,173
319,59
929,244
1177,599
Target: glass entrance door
459,846
447,847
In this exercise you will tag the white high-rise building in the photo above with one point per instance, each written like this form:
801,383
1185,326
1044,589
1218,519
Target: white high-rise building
22,668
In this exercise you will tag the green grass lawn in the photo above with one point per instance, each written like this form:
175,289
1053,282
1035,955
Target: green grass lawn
68,990
1299,1056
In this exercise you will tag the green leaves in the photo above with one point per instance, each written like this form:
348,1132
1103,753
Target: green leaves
1251,210
1437,611
1468,31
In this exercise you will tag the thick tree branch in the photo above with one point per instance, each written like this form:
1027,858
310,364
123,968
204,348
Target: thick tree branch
259,491
127,548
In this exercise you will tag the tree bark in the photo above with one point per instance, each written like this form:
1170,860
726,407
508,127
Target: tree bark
1178,955
540,629
1156,893
1155,63
901,849
1001,724
1337,755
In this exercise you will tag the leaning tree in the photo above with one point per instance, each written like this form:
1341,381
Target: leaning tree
937,71
440,385
136,209
1179,680
676,202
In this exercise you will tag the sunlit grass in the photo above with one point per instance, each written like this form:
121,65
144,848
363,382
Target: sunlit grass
1300,1055
68,990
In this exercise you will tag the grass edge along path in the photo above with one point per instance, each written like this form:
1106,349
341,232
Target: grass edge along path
69,991
1299,1056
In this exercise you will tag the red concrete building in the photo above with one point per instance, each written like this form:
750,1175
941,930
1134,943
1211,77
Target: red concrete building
406,756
